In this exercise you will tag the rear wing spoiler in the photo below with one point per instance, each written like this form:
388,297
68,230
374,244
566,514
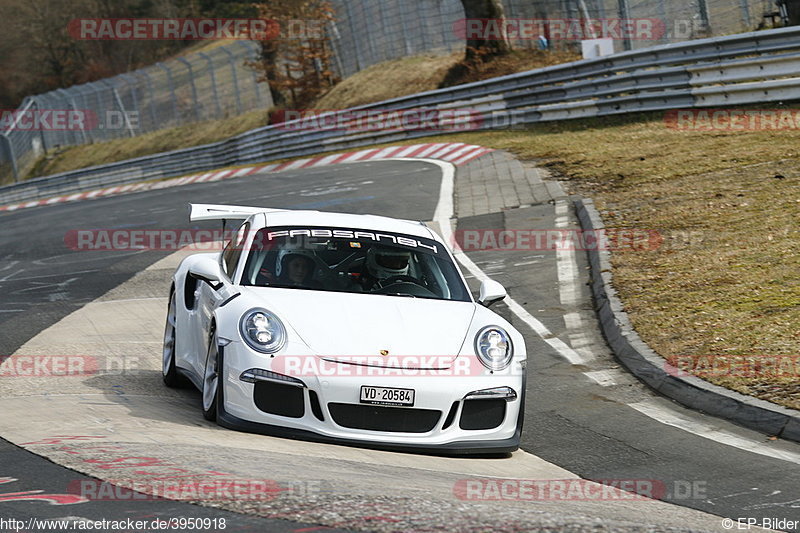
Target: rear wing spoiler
224,212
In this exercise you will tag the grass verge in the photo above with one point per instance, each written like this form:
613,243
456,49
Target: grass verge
87,155
723,288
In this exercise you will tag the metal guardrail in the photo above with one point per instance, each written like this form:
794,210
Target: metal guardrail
749,68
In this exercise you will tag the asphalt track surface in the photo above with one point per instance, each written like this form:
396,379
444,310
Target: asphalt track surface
569,420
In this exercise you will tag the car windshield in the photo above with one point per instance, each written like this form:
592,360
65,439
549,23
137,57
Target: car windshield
353,261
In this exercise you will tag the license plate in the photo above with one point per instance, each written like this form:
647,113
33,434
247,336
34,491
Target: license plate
386,396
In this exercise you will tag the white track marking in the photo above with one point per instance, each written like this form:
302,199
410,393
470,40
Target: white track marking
569,289
460,152
383,153
263,170
407,150
296,164
536,261
355,156
567,264
429,150
605,378
327,160
446,149
672,418
573,320
442,216
471,155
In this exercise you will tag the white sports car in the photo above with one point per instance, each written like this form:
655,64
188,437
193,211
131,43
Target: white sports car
354,329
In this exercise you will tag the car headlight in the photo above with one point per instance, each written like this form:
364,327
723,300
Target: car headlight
493,347
262,331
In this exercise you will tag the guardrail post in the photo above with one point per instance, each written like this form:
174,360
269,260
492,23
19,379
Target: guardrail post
124,113
35,104
251,51
232,60
83,126
194,88
624,14
98,107
133,88
746,21
69,137
90,133
5,142
166,69
333,39
354,37
702,7
213,75
152,106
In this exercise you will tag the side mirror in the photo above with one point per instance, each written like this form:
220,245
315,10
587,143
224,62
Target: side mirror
206,269
491,292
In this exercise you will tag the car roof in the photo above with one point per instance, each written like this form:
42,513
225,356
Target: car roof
347,220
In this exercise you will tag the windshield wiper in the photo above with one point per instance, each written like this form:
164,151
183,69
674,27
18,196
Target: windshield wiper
403,294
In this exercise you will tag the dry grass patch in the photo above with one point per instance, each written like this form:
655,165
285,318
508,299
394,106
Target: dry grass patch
516,61
411,75
725,282
390,79
76,157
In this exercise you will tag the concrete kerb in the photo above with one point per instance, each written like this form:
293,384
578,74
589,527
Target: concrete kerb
654,370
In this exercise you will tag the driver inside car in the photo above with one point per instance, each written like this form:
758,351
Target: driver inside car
296,269
383,264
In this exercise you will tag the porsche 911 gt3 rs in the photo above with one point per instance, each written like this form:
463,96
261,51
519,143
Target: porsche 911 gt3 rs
354,329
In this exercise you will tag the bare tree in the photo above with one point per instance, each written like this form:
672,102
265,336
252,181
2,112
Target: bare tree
492,43
296,62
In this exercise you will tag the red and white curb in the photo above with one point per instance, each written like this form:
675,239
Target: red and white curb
456,153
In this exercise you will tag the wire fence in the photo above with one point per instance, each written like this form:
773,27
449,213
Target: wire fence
368,32
200,86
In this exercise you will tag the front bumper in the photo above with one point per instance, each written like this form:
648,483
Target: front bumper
327,409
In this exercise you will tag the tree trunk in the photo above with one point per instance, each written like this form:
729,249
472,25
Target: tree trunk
495,45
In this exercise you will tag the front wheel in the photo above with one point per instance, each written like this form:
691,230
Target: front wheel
168,371
212,382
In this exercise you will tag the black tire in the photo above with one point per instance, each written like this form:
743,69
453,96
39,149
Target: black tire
212,384
168,371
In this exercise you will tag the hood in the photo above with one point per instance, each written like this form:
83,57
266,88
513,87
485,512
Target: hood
416,332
